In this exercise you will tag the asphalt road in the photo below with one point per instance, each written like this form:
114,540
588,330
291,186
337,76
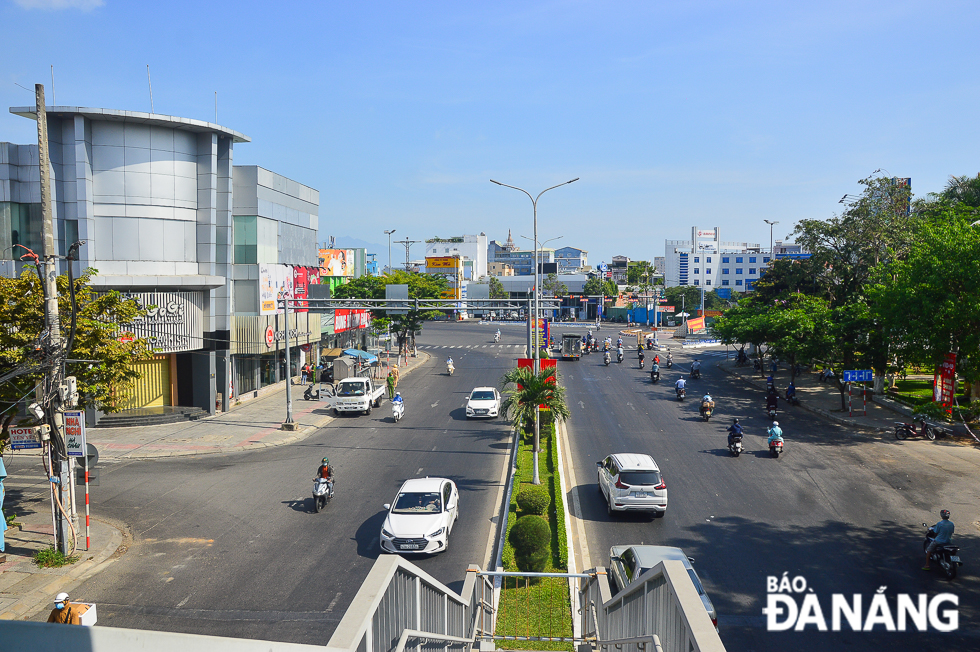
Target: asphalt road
839,509
228,545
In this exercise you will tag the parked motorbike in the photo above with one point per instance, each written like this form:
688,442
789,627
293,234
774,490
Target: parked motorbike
450,369
736,446
312,394
776,447
322,492
916,429
681,393
397,410
946,556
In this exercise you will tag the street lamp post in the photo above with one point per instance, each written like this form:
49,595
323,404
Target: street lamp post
772,254
536,324
388,233
541,246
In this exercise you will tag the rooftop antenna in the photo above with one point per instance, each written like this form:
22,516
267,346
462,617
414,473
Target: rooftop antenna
150,84
408,247
53,101
216,107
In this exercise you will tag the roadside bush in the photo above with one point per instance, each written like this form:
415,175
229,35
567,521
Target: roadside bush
531,538
533,499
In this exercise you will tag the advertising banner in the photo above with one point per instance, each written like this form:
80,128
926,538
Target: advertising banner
174,324
346,320
275,282
695,325
540,332
301,280
706,234
337,262
75,433
23,439
943,382
442,262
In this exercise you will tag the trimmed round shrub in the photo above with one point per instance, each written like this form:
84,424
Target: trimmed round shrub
533,499
531,539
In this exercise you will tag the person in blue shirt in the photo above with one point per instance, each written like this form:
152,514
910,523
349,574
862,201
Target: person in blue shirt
944,535
791,391
398,398
775,433
734,430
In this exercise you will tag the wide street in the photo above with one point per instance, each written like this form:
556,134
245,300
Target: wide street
228,544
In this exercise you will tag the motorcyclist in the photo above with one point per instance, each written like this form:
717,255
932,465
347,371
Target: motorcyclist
775,433
790,391
619,354
496,335
619,343
707,403
63,613
734,430
398,398
770,384
655,371
680,384
605,356
944,535
325,471
449,362
772,400
640,354
696,368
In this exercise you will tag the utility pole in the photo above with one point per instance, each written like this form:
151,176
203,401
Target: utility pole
61,466
408,247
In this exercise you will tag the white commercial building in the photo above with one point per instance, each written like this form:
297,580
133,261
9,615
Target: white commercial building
705,260
472,249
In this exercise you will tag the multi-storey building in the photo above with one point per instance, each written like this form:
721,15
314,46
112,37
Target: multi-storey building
571,260
471,249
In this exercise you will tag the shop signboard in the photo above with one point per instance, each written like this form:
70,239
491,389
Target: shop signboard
174,321
23,439
301,281
337,262
442,262
275,282
75,433
696,324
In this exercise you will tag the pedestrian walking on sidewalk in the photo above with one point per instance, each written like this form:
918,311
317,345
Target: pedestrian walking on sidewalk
64,612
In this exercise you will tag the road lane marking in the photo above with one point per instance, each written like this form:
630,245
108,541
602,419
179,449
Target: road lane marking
333,602
419,471
434,404
583,544
183,602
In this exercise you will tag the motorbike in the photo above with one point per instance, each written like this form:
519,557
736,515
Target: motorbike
670,363
496,337
322,492
946,556
450,368
619,356
706,409
736,446
681,393
916,429
792,400
311,394
397,410
695,374
641,363
654,376
776,447
605,358
771,411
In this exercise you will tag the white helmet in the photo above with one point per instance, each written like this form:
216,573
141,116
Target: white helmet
61,597
775,424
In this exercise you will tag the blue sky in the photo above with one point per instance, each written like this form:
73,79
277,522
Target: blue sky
672,114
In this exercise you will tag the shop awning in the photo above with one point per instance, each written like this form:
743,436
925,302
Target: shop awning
331,353
363,355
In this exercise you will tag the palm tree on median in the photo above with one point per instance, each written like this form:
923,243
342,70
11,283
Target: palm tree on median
523,392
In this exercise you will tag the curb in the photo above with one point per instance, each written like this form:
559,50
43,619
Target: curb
36,599
823,414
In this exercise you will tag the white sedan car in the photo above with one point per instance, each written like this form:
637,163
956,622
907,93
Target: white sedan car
422,516
483,402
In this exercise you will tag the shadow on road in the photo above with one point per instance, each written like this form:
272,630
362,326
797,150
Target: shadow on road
367,536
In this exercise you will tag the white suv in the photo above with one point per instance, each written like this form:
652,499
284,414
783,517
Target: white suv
632,482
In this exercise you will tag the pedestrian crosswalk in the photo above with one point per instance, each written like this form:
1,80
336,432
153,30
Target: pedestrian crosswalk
471,346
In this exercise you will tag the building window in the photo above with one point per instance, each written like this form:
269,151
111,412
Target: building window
707,271
738,281
724,281
447,250
708,259
724,259
738,270
697,259
71,234
765,260
697,271
738,259
751,259
724,270
708,282
696,282
751,270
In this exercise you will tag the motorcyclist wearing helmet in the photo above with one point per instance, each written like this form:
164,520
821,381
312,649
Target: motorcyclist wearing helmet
64,612
772,400
775,433
707,403
398,398
944,535
325,471
680,384
734,430
655,370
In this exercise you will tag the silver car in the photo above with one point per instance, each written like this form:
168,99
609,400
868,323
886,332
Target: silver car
632,482
626,563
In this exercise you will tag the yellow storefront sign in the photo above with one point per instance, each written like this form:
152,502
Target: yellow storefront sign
449,262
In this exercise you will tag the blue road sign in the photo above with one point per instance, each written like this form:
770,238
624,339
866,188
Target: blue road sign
859,376
603,267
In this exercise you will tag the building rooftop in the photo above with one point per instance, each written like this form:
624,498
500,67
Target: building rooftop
153,119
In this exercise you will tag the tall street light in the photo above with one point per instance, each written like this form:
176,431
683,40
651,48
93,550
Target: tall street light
388,233
771,224
542,244
537,291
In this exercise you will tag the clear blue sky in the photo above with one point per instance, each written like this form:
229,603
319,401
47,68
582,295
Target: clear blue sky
673,114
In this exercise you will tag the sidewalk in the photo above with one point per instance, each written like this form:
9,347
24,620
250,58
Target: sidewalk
823,399
251,425
27,590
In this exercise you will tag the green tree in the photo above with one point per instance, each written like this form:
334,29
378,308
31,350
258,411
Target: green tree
552,285
929,302
523,392
497,290
106,373
638,273
798,329
744,323
420,286
691,302
596,286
